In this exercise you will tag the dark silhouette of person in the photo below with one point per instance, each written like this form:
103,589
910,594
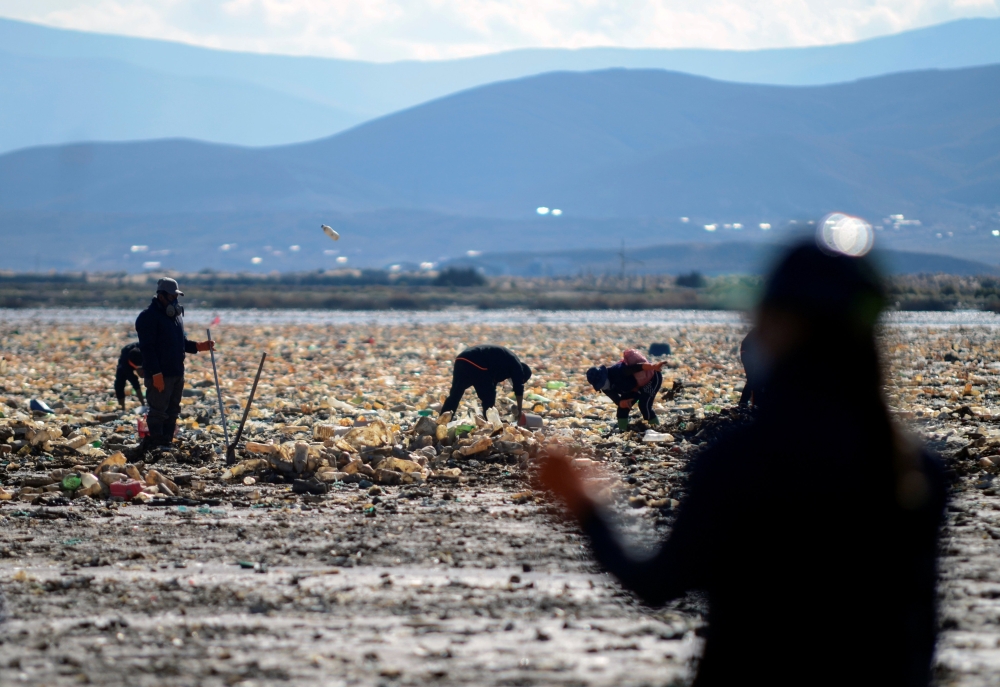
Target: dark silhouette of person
482,368
812,531
753,390
129,369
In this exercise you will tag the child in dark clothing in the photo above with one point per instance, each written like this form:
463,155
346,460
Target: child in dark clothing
633,380
128,370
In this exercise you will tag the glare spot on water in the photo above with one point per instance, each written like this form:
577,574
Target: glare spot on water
765,226
473,253
711,227
557,212
227,246
342,259
140,249
427,265
542,210
256,261
685,220
845,234
151,265
294,249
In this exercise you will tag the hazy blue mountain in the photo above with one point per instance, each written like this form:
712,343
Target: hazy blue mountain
270,99
617,143
48,100
624,154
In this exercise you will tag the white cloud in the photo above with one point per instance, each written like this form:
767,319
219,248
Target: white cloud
384,30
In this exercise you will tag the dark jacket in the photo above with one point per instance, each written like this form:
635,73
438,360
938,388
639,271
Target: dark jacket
621,378
126,373
816,573
493,364
162,341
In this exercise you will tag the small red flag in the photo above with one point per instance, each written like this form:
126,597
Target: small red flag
215,321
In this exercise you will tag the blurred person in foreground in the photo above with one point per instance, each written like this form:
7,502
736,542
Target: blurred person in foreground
633,380
164,346
129,369
813,531
483,367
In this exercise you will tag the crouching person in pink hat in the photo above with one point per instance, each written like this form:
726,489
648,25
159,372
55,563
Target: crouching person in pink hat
632,381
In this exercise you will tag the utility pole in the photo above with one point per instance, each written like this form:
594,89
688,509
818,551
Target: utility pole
625,260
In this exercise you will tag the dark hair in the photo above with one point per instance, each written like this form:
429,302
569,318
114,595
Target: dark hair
135,357
837,300
598,377
526,372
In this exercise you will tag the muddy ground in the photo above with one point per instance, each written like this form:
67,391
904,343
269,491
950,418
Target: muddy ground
441,581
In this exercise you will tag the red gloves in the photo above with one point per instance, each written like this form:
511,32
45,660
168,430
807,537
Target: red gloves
158,382
206,346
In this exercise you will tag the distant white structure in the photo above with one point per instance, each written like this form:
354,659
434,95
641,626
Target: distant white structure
996,232
342,259
227,246
737,225
427,265
140,249
256,261
765,226
542,210
898,221
556,212
685,220
151,265
473,253
711,227
395,268
294,249
330,251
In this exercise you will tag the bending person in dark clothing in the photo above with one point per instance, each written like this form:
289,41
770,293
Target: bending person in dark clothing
753,390
482,368
633,380
128,370
814,530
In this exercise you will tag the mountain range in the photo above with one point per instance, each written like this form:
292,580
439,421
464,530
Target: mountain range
60,86
616,143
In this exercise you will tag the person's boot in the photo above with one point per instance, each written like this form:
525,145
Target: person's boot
623,424
169,427
139,451
653,421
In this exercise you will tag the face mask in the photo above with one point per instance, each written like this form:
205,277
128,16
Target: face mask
173,308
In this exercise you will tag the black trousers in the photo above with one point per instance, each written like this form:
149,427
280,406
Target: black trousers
644,398
465,375
164,408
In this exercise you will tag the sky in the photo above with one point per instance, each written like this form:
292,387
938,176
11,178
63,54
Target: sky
386,30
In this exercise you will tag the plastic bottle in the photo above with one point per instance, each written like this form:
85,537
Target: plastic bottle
71,482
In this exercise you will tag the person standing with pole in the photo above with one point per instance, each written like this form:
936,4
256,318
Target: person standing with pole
161,338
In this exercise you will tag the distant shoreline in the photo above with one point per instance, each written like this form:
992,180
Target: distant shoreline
376,290
197,318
